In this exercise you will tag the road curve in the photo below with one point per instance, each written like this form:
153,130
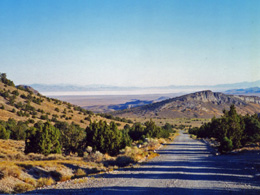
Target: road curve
185,166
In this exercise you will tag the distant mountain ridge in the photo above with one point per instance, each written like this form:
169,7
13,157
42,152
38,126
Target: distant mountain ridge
127,105
252,90
65,87
202,104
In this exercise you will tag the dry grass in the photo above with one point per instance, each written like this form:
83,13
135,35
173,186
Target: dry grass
81,180
194,122
21,175
43,181
96,157
22,187
80,173
135,153
65,177
255,147
12,150
140,154
152,155
153,144
10,171
30,181
48,107
25,172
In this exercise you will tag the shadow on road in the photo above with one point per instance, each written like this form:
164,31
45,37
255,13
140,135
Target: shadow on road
144,190
189,162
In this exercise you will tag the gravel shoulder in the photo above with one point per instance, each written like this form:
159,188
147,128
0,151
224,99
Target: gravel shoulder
185,166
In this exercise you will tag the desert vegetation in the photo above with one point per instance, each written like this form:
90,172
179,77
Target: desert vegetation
23,103
46,157
45,140
231,130
178,123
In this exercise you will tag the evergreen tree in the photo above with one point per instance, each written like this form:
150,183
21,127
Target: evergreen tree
126,139
251,133
225,145
6,81
231,129
168,127
44,139
4,134
217,128
137,132
104,137
32,140
116,139
19,131
71,137
235,126
151,130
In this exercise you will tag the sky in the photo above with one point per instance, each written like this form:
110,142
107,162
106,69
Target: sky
130,42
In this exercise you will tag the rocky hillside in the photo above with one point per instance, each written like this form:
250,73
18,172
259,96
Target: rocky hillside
128,104
203,104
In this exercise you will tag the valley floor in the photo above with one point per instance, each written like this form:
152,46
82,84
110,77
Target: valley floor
185,166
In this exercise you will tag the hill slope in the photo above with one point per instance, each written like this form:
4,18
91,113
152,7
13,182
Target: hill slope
128,104
22,104
203,104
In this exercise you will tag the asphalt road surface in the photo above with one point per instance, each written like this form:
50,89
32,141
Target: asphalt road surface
185,166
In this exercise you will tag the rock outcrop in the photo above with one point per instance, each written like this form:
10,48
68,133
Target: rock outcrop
202,104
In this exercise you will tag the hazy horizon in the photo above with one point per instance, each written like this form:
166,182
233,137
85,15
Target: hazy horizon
69,90
130,43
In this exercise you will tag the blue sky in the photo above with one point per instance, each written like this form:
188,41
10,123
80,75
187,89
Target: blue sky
130,42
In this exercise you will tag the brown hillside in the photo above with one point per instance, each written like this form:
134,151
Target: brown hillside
26,105
203,104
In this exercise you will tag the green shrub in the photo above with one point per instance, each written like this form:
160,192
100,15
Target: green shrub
123,161
240,130
225,145
6,81
104,137
44,117
3,133
43,139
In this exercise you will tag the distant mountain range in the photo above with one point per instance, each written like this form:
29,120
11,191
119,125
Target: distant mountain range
203,104
127,105
64,87
252,91
42,88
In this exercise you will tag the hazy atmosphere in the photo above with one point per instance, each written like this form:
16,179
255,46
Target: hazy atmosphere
130,43
130,97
